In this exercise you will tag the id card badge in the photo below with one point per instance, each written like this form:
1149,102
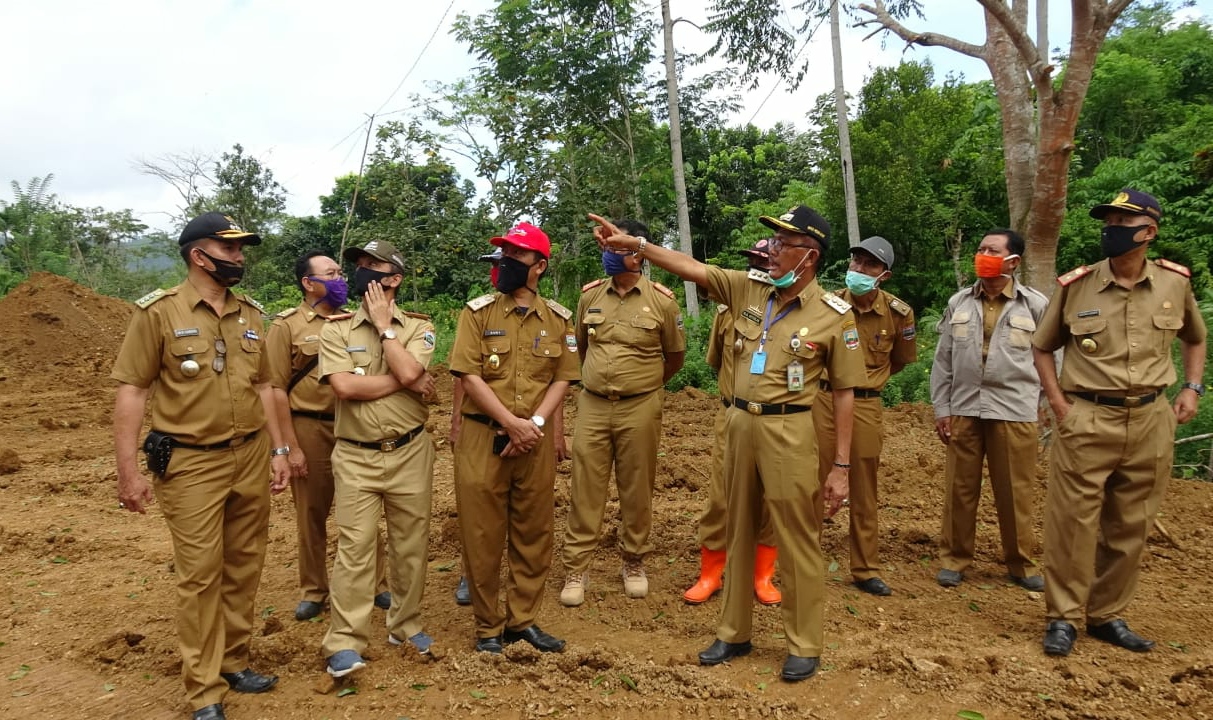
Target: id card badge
758,363
795,376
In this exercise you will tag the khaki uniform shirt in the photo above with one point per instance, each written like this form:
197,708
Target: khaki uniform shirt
1003,387
517,355
353,345
886,335
719,355
817,331
626,338
171,328
292,343
1119,340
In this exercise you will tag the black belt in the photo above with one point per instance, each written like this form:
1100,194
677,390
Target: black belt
388,445
615,397
484,420
327,417
229,443
864,394
754,408
1116,401
725,401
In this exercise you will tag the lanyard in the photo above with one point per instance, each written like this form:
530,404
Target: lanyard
768,321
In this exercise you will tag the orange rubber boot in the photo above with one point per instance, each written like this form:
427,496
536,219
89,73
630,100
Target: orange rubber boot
764,575
711,570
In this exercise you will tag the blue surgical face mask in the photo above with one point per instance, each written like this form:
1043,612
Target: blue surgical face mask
613,263
789,278
860,283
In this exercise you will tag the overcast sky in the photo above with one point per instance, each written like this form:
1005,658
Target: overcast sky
92,87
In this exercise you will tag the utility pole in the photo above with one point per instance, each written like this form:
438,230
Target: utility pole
844,130
680,180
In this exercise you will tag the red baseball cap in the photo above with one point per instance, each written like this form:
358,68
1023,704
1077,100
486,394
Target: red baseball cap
527,237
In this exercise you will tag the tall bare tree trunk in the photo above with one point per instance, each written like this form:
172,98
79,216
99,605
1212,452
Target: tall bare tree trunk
680,180
844,130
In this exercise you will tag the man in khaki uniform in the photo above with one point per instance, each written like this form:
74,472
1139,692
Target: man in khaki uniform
375,360
1116,321
719,357
631,341
786,335
199,344
986,395
886,336
305,410
515,354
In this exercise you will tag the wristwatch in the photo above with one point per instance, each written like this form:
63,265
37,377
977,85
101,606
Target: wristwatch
538,420
389,334
1197,388
644,242
284,450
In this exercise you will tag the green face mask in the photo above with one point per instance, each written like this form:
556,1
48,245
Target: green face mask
788,279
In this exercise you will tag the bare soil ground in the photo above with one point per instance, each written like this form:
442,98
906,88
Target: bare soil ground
86,617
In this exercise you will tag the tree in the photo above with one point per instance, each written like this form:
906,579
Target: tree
1037,154
245,190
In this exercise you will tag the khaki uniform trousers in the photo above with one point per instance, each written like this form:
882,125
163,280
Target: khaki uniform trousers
217,506
625,434
504,503
774,456
867,440
1109,470
715,514
313,498
1009,449
371,484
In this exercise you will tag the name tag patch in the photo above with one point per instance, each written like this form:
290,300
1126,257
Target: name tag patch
186,332
494,333
1088,313
355,348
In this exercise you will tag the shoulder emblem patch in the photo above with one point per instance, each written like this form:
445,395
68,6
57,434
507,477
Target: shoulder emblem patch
721,309
592,284
146,301
339,316
900,307
664,290
287,313
482,301
559,309
419,316
1173,267
1073,275
839,305
245,298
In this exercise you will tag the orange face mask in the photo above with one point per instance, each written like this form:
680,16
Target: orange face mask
988,266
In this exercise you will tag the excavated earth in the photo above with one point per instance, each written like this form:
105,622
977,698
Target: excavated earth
86,616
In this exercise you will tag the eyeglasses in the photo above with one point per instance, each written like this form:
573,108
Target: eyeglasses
330,275
777,245
220,361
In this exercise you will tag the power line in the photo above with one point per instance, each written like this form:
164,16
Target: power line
419,56
779,81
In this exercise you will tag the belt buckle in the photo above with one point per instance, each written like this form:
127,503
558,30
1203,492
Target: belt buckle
387,446
753,408
1132,402
612,398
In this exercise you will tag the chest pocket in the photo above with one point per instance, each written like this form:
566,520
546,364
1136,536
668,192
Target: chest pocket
960,325
1169,325
593,323
494,358
545,355
1022,327
190,349
1090,336
305,352
361,360
880,344
644,330
744,333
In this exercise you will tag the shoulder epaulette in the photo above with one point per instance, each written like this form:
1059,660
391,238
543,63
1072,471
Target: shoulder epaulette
838,304
245,298
339,316
419,316
146,301
721,309
898,306
1073,275
287,313
482,301
592,284
664,290
559,309
1173,267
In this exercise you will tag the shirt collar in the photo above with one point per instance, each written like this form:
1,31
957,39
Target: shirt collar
190,293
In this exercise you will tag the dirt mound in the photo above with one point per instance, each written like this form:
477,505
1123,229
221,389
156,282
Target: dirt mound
50,326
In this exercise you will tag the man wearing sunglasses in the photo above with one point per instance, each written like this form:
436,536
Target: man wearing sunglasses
213,428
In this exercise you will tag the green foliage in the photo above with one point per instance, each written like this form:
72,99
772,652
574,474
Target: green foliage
913,383
695,370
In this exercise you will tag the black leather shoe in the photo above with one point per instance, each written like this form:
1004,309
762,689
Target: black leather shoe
383,600
538,639
248,681
307,609
210,712
463,596
1119,634
949,578
719,651
797,668
489,644
1059,638
1035,583
873,586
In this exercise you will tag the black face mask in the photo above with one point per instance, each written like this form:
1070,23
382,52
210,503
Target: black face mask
1116,240
364,276
226,272
512,274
